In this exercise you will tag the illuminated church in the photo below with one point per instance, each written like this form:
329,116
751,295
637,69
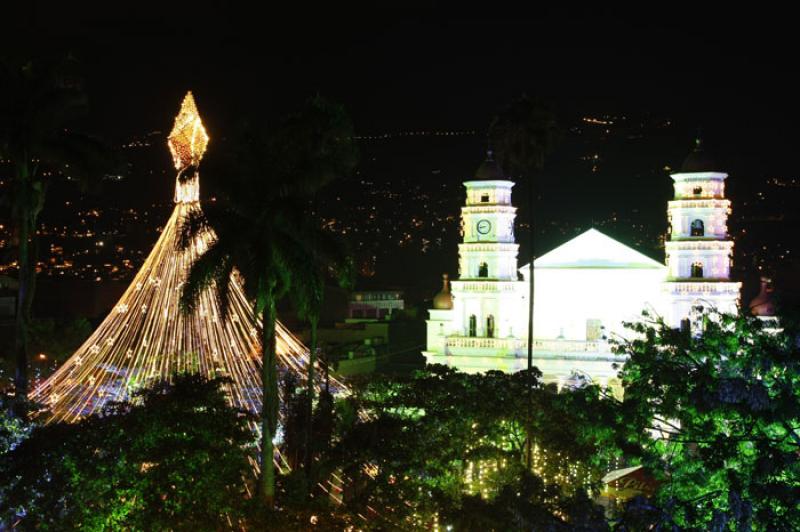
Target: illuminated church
584,289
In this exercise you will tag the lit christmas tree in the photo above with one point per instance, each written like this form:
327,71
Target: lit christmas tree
147,337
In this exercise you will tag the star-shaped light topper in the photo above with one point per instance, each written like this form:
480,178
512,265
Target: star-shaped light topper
188,139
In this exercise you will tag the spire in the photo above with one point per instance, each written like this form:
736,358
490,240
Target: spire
187,142
489,170
698,159
188,139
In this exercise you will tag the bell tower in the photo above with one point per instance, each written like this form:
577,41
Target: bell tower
488,289
699,251
488,250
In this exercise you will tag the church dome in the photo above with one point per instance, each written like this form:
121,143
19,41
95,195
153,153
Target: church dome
444,299
699,160
762,304
489,170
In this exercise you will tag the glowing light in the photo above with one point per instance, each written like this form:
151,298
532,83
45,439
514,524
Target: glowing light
188,139
130,349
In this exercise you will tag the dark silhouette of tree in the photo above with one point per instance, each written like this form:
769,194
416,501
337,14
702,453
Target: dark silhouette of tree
38,103
523,134
323,256
264,231
293,413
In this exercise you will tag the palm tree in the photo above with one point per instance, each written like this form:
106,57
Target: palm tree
265,233
37,103
523,134
324,256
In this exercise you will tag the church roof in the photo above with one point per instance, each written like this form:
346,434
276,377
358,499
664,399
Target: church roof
593,249
489,170
699,160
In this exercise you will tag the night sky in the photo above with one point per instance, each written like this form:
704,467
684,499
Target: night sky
729,71
444,66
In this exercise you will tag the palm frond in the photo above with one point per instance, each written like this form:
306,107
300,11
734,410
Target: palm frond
207,270
193,225
523,133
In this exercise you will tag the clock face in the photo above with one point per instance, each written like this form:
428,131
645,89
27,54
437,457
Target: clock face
484,226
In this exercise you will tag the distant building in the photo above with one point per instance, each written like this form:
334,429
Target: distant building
374,335
584,289
374,304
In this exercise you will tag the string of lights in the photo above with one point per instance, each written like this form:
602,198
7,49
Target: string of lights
147,337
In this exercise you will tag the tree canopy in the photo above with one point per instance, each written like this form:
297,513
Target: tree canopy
433,444
176,458
714,416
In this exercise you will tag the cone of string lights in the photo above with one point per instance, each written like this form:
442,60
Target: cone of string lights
147,337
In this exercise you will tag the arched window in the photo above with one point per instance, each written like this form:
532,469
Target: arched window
697,269
483,270
473,325
490,326
698,228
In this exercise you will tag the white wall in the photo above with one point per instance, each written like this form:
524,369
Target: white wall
566,298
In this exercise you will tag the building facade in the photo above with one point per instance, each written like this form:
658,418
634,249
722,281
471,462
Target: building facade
585,289
374,304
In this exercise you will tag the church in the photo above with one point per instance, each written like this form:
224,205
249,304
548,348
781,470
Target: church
584,289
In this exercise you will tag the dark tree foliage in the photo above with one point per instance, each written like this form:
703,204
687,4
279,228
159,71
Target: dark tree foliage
410,455
175,458
57,340
523,134
294,419
715,418
39,102
265,181
323,424
526,503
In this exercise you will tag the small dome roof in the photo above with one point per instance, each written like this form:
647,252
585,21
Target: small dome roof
444,299
699,160
489,170
763,304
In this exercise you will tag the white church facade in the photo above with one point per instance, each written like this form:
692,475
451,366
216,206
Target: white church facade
585,289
